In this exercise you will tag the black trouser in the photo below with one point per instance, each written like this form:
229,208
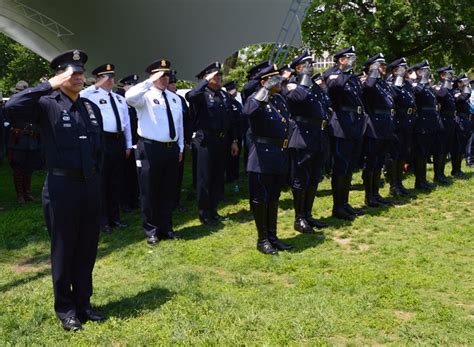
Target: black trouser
157,167
72,214
180,180
401,147
210,172
111,177
130,192
346,154
375,152
232,167
265,188
307,167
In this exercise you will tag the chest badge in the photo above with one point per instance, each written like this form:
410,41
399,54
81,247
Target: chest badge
155,101
102,101
66,118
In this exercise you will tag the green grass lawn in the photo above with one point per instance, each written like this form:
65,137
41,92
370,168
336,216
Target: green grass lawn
400,275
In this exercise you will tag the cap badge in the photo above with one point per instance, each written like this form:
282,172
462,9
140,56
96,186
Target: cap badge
163,63
76,55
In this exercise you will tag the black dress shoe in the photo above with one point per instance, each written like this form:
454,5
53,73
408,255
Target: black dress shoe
91,315
118,224
281,246
302,226
353,210
152,240
218,218
169,235
341,213
266,247
71,324
314,223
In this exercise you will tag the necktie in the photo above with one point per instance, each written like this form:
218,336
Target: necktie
116,113
170,118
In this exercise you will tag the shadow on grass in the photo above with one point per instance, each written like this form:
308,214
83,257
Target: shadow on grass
302,242
30,278
134,305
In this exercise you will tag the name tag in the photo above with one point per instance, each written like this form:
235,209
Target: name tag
102,101
66,125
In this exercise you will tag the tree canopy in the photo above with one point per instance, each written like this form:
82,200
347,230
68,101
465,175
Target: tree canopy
438,30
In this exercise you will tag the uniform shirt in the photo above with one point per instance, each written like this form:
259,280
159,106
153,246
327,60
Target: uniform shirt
71,131
152,113
101,98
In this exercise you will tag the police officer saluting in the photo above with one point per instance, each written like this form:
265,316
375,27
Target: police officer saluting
308,142
71,129
428,125
380,108
117,142
159,149
213,119
404,121
346,129
268,157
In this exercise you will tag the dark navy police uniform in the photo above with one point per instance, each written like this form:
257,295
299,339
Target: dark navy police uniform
71,133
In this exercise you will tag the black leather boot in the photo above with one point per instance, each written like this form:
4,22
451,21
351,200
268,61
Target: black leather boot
376,187
272,228
399,172
338,209
420,175
345,197
438,168
368,179
19,188
300,224
456,161
308,207
260,214
391,167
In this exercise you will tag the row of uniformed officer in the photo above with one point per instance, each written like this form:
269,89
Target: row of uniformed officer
71,130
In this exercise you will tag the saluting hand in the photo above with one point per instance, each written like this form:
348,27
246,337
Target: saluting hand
58,80
180,157
128,151
156,76
101,81
211,75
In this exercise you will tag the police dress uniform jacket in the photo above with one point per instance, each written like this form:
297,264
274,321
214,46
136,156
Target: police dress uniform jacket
71,131
308,118
101,98
447,106
405,108
379,105
462,111
268,153
213,112
345,91
428,120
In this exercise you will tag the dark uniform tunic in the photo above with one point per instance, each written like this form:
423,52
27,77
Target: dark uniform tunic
447,113
462,121
232,162
403,122
308,138
268,154
71,132
380,108
213,119
428,124
348,124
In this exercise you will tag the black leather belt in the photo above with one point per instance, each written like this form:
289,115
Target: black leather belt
449,113
164,144
113,135
389,111
70,173
409,111
429,108
358,109
308,120
282,143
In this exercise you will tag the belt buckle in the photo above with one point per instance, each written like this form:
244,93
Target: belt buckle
410,111
455,113
285,143
324,124
392,112
359,109
437,107
169,144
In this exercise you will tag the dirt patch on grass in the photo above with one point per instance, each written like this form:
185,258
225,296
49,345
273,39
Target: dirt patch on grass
342,241
404,315
363,247
32,264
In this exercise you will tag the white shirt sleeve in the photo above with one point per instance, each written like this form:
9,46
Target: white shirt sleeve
127,129
181,133
85,93
135,95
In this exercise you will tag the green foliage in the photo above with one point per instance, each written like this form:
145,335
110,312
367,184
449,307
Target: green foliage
440,31
19,63
396,276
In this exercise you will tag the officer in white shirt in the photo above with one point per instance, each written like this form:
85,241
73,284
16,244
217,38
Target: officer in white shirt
117,142
159,149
